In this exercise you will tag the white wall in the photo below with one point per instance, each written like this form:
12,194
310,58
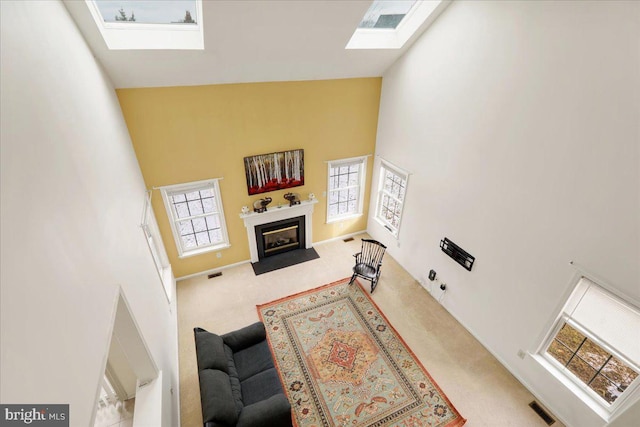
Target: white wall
519,124
71,199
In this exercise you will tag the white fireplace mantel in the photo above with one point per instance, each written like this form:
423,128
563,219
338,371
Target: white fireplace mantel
277,213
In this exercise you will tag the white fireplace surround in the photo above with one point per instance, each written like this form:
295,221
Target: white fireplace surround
277,213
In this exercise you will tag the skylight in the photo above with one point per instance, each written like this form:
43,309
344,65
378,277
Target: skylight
148,12
149,24
389,24
386,14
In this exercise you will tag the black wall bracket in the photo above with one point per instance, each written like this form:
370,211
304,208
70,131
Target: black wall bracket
458,254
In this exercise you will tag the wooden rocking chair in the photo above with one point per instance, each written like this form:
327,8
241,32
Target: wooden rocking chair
368,262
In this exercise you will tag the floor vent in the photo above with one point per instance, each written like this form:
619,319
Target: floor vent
217,274
542,413
348,239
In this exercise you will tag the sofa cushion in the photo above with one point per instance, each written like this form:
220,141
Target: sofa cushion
245,337
236,389
253,360
273,412
218,403
261,386
210,351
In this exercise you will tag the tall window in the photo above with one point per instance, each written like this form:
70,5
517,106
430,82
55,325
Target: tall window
152,235
346,188
196,215
391,192
595,345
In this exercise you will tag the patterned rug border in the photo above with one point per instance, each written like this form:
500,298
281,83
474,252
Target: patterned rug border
455,423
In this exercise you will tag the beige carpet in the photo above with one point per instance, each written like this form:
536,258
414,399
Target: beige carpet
475,382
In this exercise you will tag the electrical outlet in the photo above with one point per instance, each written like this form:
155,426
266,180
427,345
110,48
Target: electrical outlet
219,254
521,354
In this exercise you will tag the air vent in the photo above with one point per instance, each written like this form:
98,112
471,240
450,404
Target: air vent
542,413
216,274
348,239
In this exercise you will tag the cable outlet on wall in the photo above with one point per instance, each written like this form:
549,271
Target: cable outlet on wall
443,286
521,354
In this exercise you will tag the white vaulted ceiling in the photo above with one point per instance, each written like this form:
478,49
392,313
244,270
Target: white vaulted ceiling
250,41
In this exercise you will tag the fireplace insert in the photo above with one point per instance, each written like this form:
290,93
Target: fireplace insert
281,236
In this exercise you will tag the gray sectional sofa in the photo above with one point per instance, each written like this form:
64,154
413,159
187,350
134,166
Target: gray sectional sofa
239,385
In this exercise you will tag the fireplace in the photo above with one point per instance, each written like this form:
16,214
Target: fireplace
276,214
277,237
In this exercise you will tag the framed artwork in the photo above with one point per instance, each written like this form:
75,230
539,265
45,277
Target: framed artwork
274,171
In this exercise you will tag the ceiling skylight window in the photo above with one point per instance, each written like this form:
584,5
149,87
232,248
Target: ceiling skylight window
386,14
149,24
389,24
148,12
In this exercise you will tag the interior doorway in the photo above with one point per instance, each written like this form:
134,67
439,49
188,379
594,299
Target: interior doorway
129,367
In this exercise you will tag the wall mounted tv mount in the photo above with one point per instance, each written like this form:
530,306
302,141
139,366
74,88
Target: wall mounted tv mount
458,254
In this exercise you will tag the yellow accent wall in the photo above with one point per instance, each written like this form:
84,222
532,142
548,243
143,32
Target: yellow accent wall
191,133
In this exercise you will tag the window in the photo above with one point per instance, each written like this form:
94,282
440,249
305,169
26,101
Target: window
174,12
196,216
389,24
154,241
386,14
149,24
594,344
346,188
391,192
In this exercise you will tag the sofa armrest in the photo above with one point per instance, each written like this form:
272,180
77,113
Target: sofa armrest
272,412
245,337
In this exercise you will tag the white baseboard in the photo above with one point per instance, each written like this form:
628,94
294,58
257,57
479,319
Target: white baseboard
344,236
224,267
213,270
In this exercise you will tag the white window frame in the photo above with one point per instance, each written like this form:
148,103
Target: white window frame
170,190
362,161
386,166
606,411
151,231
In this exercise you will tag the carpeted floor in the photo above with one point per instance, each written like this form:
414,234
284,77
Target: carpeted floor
478,385
342,363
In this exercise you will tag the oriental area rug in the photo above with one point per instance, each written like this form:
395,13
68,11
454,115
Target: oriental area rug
343,364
